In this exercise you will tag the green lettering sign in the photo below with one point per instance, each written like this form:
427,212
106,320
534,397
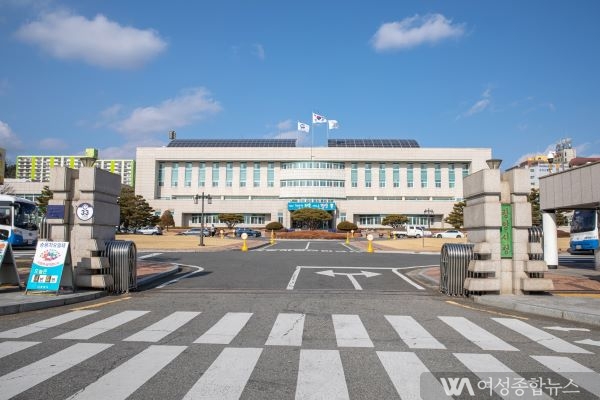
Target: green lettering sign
506,240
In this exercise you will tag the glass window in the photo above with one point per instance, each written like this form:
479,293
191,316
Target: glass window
280,217
188,174
409,175
367,174
174,174
229,174
438,175
354,175
396,175
215,174
243,170
202,174
423,175
382,175
465,169
342,216
256,174
451,175
270,174
161,174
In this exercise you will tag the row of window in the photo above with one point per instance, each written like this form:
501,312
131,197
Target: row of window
312,165
256,174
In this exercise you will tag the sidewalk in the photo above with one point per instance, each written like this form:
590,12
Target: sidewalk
576,295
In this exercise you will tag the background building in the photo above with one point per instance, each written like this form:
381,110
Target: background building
557,160
359,180
37,168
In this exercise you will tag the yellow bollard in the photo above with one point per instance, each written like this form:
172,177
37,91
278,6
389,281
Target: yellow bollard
352,234
347,237
370,245
222,234
244,245
272,237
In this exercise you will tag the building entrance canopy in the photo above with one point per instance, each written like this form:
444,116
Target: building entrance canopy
297,205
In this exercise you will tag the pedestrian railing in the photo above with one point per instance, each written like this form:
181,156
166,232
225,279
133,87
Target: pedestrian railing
43,231
454,263
122,258
536,235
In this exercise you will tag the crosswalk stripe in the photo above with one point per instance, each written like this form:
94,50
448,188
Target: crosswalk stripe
487,368
104,325
412,333
580,374
350,331
8,348
321,376
27,377
227,376
138,370
45,324
405,371
164,327
542,337
479,336
224,331
287,330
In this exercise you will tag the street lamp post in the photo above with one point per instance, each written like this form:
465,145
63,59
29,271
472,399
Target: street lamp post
428,213
209,201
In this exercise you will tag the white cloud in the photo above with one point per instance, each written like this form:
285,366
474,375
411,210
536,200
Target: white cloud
480,105
259,51
303,139
9,139
127,150
190,106
52,144
415,31
3,86
98,41
284,125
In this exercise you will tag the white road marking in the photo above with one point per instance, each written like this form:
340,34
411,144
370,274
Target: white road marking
405,370
537,335
350,331
45,324
408,280
8,348
287,330
226,378
164,327
224,331
149,255
104,325
412,333
198,269
307,244
321,376
566,329
479,336
30,375
137,370
580,374
292,281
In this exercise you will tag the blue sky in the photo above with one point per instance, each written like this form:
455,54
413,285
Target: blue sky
513,76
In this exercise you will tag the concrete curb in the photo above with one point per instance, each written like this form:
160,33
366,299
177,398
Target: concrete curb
570,309
21,304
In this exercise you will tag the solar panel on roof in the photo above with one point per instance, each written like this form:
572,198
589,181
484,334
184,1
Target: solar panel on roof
379,143
232,143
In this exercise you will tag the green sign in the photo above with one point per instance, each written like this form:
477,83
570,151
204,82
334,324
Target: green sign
506,240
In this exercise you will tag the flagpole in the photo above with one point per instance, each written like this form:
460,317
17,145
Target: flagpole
327,123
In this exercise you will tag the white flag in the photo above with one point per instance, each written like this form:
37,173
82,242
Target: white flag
318,119
333,124
303,127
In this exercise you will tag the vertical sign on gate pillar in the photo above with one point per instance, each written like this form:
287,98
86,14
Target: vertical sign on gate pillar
506,242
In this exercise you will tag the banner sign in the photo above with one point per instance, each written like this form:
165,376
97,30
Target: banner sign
48,264
297,205
55,212
506,242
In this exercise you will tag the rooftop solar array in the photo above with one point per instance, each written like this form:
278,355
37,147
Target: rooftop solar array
380,143
232,143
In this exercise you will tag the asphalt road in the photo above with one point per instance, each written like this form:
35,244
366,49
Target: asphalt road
277,324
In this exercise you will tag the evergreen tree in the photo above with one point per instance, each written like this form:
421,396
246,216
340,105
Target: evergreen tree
456,216
134,209
42,200
395,220
536,212
231,219
166,220
311,217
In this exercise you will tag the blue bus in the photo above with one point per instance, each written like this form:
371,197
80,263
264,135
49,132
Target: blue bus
18,221
584,231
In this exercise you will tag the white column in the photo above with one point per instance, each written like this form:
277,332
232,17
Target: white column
550,240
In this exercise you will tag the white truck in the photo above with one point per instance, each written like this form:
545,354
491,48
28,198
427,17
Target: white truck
411,231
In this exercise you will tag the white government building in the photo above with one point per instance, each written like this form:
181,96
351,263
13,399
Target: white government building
358,180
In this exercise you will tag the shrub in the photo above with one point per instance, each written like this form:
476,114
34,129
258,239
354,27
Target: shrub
347,226
274,226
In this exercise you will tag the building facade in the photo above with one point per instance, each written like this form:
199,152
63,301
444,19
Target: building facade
37,168
265,180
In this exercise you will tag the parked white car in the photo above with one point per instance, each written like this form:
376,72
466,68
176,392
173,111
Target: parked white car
412,231
451,233
150,230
